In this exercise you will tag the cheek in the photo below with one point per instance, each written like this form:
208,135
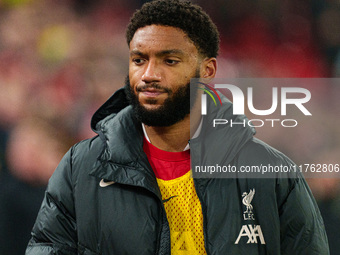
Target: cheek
184,77
133,78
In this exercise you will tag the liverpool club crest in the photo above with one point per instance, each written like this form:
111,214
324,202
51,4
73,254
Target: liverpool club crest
247,199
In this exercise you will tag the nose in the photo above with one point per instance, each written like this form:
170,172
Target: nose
151,73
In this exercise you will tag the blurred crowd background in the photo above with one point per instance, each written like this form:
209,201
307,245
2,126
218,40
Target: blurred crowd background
60,60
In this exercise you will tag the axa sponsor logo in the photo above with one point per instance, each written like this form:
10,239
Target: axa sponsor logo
252,232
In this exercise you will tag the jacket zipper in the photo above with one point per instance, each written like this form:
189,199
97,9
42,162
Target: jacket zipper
163,245
204,218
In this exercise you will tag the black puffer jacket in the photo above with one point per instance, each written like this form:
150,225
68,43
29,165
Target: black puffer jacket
79,216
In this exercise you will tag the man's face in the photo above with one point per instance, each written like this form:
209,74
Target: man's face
162,62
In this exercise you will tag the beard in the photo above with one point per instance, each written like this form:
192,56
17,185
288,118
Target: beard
174,109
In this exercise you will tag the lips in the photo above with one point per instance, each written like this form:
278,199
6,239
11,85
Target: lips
151,91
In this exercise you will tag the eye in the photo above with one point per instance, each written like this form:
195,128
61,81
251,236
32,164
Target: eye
138,61
171,62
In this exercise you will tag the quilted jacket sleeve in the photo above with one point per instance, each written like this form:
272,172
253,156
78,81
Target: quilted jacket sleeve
55,231
302,227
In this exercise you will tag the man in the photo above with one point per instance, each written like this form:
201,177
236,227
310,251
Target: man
129,189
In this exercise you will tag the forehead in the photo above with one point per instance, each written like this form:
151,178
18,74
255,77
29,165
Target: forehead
160,38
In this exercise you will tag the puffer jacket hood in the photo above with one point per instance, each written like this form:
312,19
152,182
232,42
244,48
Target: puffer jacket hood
113,105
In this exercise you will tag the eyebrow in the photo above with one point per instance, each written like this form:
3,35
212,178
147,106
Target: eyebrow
160,53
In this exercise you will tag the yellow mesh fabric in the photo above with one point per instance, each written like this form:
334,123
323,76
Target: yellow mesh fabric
184,214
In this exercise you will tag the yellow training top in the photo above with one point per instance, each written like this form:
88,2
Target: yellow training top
184,214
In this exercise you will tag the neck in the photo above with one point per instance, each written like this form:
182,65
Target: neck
174,138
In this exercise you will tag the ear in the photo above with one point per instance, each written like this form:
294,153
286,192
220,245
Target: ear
208,68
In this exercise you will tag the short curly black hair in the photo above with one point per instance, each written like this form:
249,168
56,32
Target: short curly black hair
180,14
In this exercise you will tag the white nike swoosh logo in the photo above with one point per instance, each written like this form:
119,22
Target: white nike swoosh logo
104,184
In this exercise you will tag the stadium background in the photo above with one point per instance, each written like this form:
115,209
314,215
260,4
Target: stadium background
60,60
